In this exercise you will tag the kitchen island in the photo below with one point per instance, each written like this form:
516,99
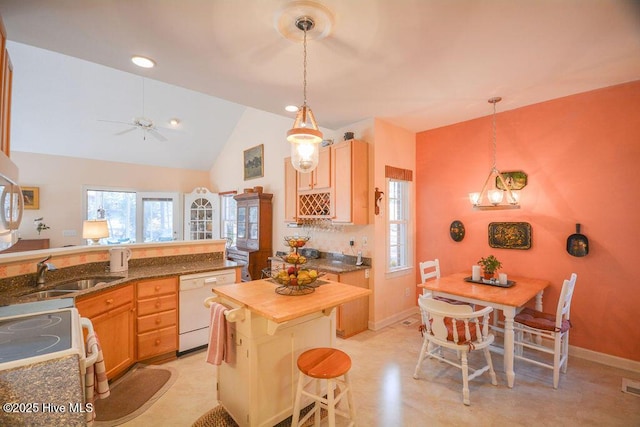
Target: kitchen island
258,387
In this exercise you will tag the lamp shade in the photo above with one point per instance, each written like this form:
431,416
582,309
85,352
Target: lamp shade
95,230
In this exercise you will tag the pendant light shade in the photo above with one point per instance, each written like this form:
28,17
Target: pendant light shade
304,136
496,193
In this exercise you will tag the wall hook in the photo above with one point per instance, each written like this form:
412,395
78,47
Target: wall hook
378,197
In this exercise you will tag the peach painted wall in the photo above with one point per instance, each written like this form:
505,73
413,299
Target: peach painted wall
394,146
582,157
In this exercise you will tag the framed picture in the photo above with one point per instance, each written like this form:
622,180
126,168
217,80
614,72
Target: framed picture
510,235
254,162
31,197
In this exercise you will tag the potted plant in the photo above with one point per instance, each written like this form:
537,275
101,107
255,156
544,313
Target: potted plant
489,266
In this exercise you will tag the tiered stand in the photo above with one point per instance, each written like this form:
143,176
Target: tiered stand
298,289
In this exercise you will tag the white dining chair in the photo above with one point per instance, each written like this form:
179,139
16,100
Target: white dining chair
459,328
533,327
431,270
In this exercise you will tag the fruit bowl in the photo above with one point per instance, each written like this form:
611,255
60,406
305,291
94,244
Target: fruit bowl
296,241
294,276
294,258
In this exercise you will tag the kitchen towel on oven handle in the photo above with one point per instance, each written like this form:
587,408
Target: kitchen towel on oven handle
96,382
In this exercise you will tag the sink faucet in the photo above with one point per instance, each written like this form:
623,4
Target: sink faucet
43,267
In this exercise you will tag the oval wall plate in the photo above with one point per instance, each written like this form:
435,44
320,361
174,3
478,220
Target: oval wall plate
456,230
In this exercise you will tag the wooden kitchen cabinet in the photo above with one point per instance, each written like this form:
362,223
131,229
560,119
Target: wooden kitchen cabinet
6,82
112,315
350,168
290,192
157,317
352,317
320,177
254,215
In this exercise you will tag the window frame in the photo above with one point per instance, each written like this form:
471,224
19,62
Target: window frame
229,195
405,221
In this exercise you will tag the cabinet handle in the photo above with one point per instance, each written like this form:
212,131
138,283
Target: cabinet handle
158,304
157,287
109,301
157,341
158,321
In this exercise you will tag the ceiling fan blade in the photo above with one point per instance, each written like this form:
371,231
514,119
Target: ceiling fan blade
157,135
125,131
117,121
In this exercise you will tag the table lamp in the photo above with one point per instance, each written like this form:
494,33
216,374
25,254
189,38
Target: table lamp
95,230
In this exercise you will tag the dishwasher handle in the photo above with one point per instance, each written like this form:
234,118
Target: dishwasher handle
211,280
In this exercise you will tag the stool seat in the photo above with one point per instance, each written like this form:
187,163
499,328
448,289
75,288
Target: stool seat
331,367
324,363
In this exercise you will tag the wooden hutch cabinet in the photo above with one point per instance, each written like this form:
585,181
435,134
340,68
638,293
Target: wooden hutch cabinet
253,242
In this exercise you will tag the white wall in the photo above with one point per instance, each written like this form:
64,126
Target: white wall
61,180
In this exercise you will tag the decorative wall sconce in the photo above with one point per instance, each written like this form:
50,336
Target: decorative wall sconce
378,197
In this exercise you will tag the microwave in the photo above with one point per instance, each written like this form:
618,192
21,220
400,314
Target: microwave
11,203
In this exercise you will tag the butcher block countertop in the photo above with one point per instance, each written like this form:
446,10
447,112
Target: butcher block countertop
260,297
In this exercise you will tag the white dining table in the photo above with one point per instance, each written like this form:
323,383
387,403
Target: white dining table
508,300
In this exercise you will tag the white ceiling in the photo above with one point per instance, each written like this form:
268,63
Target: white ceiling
419,64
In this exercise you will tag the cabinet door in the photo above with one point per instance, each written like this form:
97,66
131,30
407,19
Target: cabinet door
202,216
322,173
354,315
5,108
115,332
342,174
253,226
241,218
350,167
290,192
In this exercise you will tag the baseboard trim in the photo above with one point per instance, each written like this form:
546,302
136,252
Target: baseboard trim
376,326
605,359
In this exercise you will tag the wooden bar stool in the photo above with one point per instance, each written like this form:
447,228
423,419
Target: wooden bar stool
324,364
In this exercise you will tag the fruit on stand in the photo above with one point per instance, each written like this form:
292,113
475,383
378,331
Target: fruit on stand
293,276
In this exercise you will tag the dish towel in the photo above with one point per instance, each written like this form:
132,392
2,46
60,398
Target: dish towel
96,383
220,338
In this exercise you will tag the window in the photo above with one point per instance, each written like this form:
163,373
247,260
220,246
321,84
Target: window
398,224
228,217
134,216
398,218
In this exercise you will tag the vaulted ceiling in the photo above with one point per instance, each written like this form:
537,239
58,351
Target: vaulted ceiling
419,64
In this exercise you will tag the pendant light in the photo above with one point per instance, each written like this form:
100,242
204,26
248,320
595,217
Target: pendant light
304,136
495,193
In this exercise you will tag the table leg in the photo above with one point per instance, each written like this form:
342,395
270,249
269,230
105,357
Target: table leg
509,314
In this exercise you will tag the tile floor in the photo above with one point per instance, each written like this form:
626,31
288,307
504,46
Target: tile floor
386,394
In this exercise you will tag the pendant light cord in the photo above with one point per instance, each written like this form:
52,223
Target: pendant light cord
495,144
304,67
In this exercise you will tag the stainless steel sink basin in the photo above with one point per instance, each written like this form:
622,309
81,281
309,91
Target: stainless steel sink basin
82,284
47,294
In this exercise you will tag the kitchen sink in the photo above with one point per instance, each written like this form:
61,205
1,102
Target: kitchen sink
82,284
47,294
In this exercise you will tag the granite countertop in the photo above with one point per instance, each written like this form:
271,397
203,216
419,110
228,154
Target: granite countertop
19,291
329,262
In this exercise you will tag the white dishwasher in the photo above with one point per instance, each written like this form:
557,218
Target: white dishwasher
194,316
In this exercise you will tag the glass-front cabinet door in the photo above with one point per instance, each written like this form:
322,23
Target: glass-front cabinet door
253,222
242,225
202,215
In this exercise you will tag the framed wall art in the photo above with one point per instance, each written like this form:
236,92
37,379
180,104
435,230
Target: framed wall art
31,197
254,162
510,235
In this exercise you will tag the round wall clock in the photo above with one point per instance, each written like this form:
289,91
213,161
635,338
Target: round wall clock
456,230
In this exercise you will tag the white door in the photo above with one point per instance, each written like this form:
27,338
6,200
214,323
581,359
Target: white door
160,217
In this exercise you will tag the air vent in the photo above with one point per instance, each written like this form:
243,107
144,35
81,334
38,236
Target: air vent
631,386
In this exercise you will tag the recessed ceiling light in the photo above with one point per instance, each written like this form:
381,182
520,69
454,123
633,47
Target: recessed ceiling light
174,122
291,108
143,62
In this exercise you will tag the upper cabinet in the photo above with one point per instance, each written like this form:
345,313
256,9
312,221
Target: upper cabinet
6,80
320,177
342,197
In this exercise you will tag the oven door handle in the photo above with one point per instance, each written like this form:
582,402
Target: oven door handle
93,352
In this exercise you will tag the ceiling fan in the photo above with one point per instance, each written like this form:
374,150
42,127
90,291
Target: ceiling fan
143,123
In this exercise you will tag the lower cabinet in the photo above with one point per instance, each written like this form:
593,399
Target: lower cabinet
157,317
112,315
352,317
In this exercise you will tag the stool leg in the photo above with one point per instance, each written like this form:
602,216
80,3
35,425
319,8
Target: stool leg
352,408
317,408
296,405
331,402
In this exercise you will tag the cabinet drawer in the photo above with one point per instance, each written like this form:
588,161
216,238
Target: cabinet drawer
156,305
156,321
157,287
157,342
94,305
